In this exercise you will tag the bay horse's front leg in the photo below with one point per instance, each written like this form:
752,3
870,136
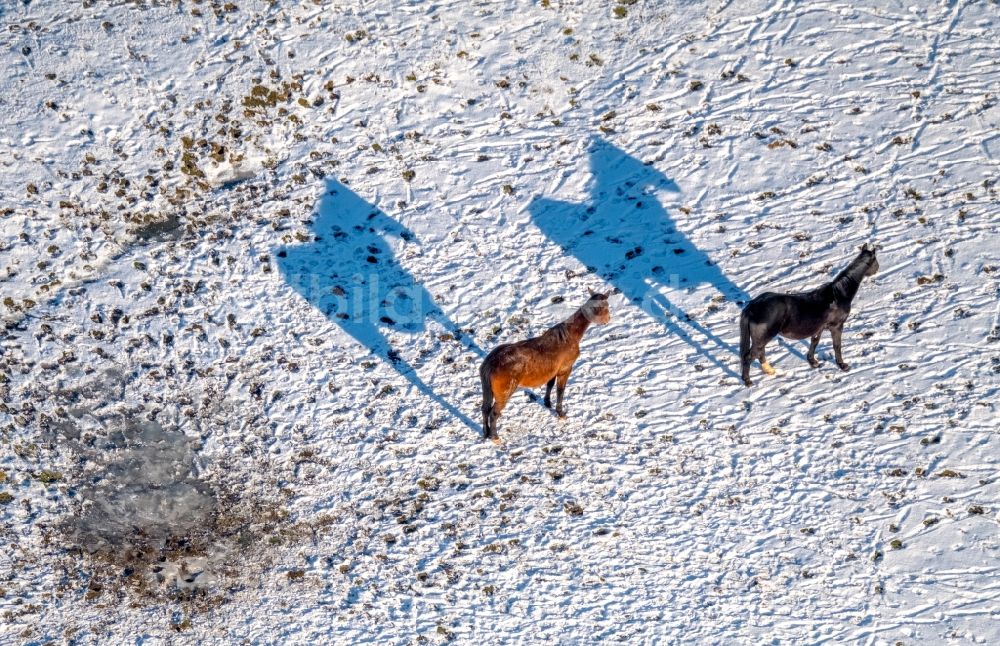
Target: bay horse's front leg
811,356
548,392
561,380
836,333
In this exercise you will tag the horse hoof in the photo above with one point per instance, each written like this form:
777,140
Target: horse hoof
814,363
747,383
548,403
496,440
843,366
561,414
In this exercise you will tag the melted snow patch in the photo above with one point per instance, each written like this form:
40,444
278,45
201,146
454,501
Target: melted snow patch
143,503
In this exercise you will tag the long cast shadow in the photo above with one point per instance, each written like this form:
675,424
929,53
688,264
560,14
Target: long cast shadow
625,235
350,273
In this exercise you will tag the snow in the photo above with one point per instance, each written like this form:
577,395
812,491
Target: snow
196,447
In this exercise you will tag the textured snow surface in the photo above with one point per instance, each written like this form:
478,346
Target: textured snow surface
253,252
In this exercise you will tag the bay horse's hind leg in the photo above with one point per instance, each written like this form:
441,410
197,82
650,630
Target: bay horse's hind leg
501,401
493,416
811,355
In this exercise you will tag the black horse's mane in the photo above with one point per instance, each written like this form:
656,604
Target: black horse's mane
845,285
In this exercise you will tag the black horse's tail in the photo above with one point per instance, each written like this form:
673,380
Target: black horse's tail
744,335
484,376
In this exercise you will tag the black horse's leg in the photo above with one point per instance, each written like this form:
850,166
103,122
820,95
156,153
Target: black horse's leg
561,380
836,334
811,356
764,365
756,352
548,392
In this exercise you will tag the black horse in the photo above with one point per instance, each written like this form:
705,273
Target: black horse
807,314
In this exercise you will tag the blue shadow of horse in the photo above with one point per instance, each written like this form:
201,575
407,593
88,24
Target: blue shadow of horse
626,236
350,273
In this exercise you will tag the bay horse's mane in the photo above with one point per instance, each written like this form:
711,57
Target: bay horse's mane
561,332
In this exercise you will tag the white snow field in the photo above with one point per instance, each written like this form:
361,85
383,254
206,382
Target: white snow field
252,254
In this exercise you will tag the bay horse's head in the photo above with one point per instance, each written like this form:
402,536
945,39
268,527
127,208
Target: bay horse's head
596,308
868,256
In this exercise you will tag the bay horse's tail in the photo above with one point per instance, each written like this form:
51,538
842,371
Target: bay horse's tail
484,376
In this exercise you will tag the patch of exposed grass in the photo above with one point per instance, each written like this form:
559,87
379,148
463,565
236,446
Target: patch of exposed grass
47,476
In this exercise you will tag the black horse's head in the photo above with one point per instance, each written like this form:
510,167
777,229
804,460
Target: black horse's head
868,256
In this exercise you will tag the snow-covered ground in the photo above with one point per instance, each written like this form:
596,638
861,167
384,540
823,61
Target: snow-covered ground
210,432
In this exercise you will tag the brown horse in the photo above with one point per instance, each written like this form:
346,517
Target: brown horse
803,316
547,359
